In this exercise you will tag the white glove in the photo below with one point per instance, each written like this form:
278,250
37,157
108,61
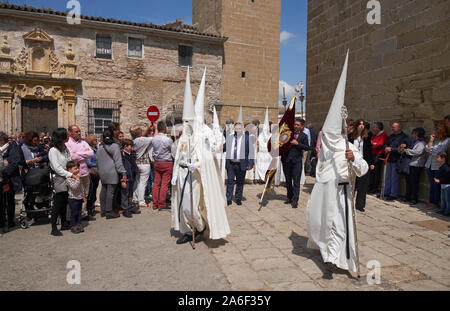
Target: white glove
174,181
192,167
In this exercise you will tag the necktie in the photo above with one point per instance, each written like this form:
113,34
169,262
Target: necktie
235,147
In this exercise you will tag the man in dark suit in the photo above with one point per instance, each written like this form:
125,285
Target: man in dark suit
240,159
293,163
12,158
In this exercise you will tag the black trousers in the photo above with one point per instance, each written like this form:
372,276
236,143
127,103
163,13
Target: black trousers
7,206
60,208
293,173
92,197
412,183
375,176
361,186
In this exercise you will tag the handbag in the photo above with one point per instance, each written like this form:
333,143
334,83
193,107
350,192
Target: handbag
402,165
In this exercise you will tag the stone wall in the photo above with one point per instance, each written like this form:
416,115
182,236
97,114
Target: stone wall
157,79
253,47
398,70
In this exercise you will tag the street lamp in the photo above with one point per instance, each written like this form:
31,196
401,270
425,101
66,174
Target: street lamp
284,99
218,105
299,89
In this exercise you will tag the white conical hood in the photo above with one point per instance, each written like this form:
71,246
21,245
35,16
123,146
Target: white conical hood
266,128
240,118
188,105
200,101
333,123
216,124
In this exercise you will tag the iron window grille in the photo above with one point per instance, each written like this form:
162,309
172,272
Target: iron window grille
104,47
101,112
135,47
185,55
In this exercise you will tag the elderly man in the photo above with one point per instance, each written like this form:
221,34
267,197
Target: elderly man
80,151
240,159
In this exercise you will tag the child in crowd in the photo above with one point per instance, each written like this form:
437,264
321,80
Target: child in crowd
132,172
77,196
444,180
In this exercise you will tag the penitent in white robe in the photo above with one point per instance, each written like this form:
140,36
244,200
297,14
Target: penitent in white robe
213,199
326,219
182,217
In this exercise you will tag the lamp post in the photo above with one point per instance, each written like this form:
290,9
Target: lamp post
299,89
284,99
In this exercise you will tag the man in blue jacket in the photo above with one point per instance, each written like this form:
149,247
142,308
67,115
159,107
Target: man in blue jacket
293,163
240,159
12,158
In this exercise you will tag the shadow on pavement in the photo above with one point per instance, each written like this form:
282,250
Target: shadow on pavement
299,244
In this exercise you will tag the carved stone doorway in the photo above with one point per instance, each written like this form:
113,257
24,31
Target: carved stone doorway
39,115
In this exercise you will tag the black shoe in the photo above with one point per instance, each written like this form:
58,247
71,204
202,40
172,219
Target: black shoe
361,209
89,218
112,215
80,227
75,230
56,232
295,205
184,239
102,214
239,203
446,214
136,211
229,203
165,208
127,214
412,203
440,212
65,226
390,199
287,202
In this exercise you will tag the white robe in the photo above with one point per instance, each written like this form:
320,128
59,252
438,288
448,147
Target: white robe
182,215
263,158
326,222
213,199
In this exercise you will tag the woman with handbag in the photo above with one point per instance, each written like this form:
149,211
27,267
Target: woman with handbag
93,174
110,170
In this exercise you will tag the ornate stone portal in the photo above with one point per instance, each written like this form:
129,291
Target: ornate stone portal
36,74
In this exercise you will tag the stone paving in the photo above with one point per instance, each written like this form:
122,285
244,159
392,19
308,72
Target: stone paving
267,248
266,251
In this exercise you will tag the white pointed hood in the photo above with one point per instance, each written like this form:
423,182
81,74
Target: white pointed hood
332,163
333,122
216,124
188,105
200,101
240,118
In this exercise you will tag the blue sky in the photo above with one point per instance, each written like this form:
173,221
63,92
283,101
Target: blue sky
292,37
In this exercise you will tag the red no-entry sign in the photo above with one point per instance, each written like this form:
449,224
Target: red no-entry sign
153,113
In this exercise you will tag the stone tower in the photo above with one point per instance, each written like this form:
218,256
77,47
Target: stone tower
252,53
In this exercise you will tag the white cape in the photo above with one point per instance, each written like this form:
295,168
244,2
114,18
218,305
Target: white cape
213,199
326,218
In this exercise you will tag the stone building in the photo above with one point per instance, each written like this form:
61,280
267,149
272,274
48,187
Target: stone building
252,53
398,70
53,74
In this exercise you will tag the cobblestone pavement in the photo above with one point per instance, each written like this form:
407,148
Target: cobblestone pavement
266,251
267,248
